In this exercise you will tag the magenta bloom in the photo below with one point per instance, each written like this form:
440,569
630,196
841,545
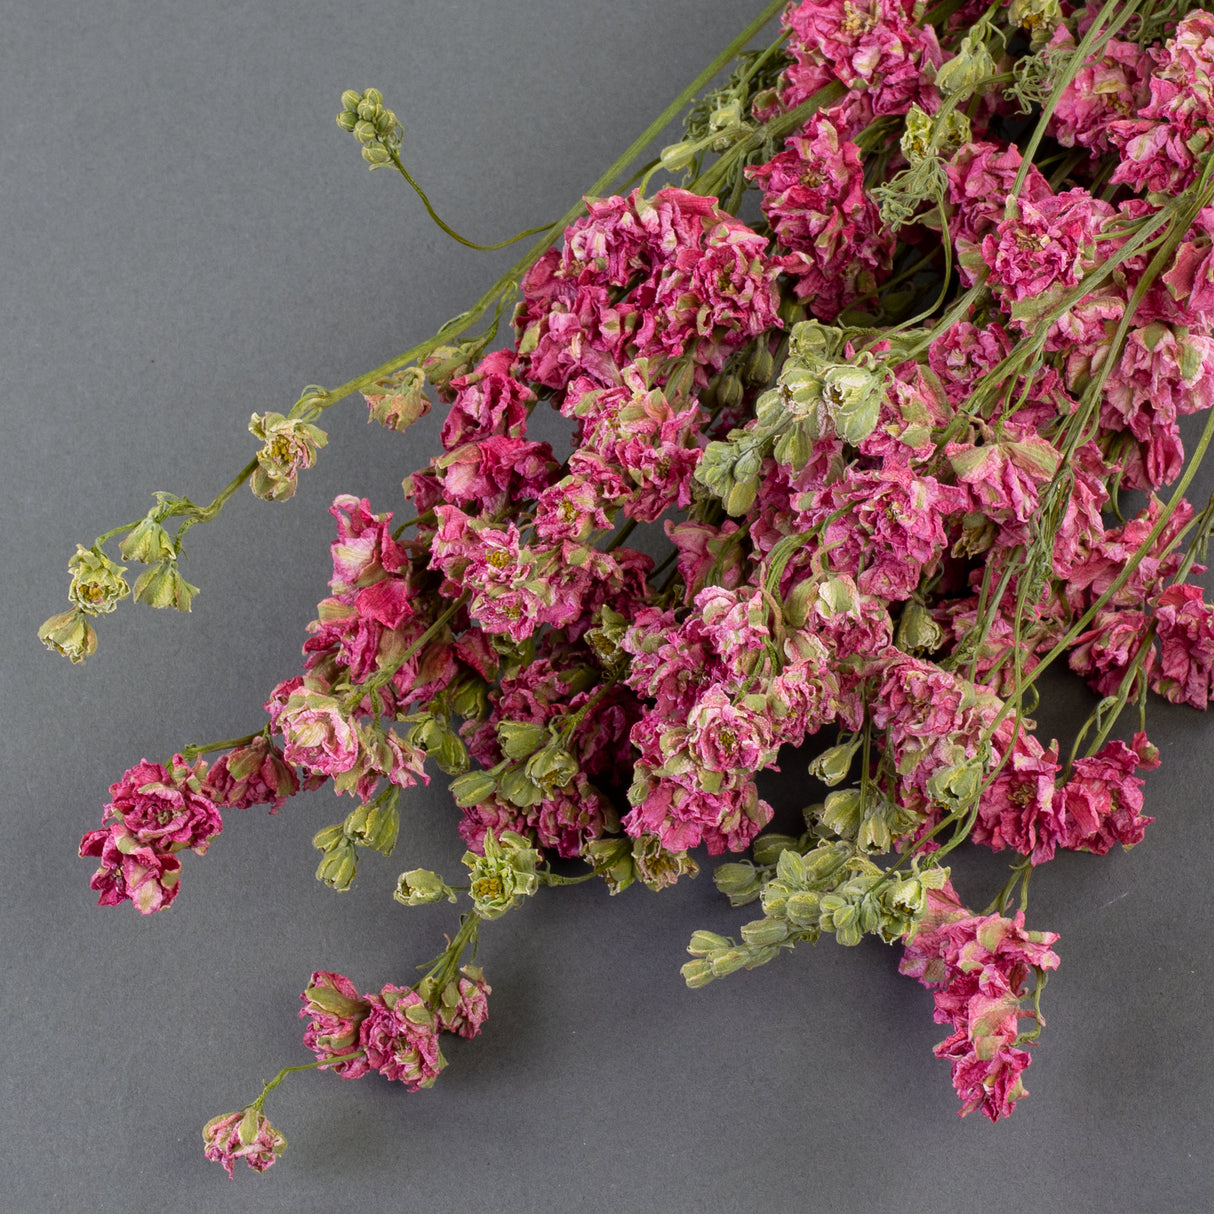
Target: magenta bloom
166,811
154,814
148,878
255,774
318,734
246,1135
401,1038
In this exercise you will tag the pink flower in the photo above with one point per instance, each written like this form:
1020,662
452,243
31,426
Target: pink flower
1049,242
891,529
364,550
815,201
148,878
401,1038
336,1011
728,737
165,810
318,734
873,46
1103,798
463,1007
246,1135
1184,624
488,401
255,774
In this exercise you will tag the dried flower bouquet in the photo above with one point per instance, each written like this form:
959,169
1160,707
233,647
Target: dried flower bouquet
910,436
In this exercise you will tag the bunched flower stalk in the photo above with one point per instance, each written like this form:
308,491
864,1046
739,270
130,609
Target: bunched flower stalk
889,432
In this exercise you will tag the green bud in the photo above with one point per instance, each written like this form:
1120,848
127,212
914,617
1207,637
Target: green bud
346,120
739,882
338,865
375,154
375,825
843,811
521,739
678,156
611,859
971,64
350,99
763,933
364,131
518,790
697,973
469,698
473,788
833,764
70,635
767,849
704,944
917,630
147,542
420,887
163,586
729,961
97,583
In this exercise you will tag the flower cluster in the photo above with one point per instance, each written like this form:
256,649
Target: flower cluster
978,968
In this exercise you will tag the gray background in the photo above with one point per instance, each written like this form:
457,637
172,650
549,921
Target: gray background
187,237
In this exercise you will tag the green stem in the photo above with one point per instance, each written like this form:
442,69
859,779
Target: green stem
259,1103
471,244
192,752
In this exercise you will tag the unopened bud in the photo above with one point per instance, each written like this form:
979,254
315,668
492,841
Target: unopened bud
70,635
163,586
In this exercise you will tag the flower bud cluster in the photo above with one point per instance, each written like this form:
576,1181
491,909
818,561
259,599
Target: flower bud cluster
375,126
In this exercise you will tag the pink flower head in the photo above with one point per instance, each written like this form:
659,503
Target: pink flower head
978,968
364,550
335,1010
728,737
246,1135
488,401
166,810
1184,624
891,531
400,1037
1105,89
255,774
1049,242
130,871
463,1006
1102,800
319,735
815,200
873,46
980,177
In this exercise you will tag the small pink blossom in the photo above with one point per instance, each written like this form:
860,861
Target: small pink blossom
1184,624
335,1011
463,1007
401,1038
246,1135
131,871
